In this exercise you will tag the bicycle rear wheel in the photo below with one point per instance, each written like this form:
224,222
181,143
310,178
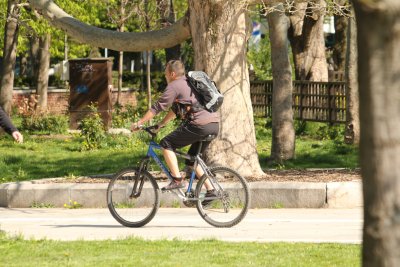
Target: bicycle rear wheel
128,210
231,201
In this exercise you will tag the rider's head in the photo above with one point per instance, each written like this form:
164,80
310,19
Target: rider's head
174,70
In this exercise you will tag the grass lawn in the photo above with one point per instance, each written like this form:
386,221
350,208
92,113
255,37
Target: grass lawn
47,156
137,252
43,158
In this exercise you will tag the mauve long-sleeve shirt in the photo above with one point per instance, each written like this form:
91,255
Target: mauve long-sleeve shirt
5,122
179,90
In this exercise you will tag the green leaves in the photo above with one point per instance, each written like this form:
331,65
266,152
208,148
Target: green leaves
92,130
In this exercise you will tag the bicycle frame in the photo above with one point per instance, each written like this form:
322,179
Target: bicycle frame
152,154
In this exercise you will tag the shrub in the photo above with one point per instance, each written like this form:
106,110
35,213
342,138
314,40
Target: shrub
44,123
92,130
124,115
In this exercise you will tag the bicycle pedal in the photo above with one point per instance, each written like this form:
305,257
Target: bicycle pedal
163,190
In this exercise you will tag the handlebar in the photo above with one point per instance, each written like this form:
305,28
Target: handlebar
152,130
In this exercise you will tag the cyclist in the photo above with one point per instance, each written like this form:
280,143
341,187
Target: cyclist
197,123
7,125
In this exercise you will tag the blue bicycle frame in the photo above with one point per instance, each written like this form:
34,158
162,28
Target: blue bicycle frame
152,154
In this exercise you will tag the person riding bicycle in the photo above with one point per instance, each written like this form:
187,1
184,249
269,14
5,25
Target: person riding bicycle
197,123
7,125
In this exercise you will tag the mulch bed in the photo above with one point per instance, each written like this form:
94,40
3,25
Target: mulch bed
309,175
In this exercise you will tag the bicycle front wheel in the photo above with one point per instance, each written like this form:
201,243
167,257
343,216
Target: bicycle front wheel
227,205
128,208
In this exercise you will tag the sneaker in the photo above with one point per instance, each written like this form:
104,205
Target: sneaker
207,202
174,184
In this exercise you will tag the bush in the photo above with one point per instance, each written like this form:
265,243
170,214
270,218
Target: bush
124,115
92,130
300,127
42,123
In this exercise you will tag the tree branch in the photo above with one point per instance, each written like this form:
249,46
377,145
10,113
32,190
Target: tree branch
119,41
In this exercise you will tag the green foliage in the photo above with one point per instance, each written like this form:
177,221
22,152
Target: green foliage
318,145
300,127
72,205
92,130
37,205
44,123
124,115
260,58
137,79
320,131
188,54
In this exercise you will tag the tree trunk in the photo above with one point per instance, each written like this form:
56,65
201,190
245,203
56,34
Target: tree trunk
34,58
308,43
148,70
167,14
220,32
283,137
9,55
23,65
148,79
352,132
120,72
66,47
340,46
43,75
378,24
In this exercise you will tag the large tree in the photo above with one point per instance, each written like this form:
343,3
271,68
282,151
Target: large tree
283,137
378,24
352,132
219,30
307,40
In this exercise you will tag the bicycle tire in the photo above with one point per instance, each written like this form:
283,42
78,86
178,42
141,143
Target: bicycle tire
133,212
232,203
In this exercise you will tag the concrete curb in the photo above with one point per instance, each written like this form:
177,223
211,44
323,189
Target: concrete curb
264,195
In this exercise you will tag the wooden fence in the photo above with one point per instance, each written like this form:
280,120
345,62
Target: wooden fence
312,101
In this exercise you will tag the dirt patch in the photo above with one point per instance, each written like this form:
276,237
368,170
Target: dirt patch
309,175
314,176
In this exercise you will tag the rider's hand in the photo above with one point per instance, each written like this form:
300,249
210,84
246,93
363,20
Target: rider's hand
155,128
135,126
18,137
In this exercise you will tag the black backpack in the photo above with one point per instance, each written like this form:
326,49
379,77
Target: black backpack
210,97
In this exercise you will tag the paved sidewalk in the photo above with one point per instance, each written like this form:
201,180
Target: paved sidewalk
261,225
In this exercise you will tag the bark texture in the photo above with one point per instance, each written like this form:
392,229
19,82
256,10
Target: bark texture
118,41
307,40
34,56
283,136
220,31
9,55
352,131
378,29
43,74
340,46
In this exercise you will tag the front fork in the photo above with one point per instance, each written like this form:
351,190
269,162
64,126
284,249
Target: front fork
139,178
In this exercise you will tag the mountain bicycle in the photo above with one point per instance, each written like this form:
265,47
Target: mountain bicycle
133,194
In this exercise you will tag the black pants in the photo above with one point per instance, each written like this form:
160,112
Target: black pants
189,134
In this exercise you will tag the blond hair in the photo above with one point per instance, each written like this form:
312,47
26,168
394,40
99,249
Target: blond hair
176,66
